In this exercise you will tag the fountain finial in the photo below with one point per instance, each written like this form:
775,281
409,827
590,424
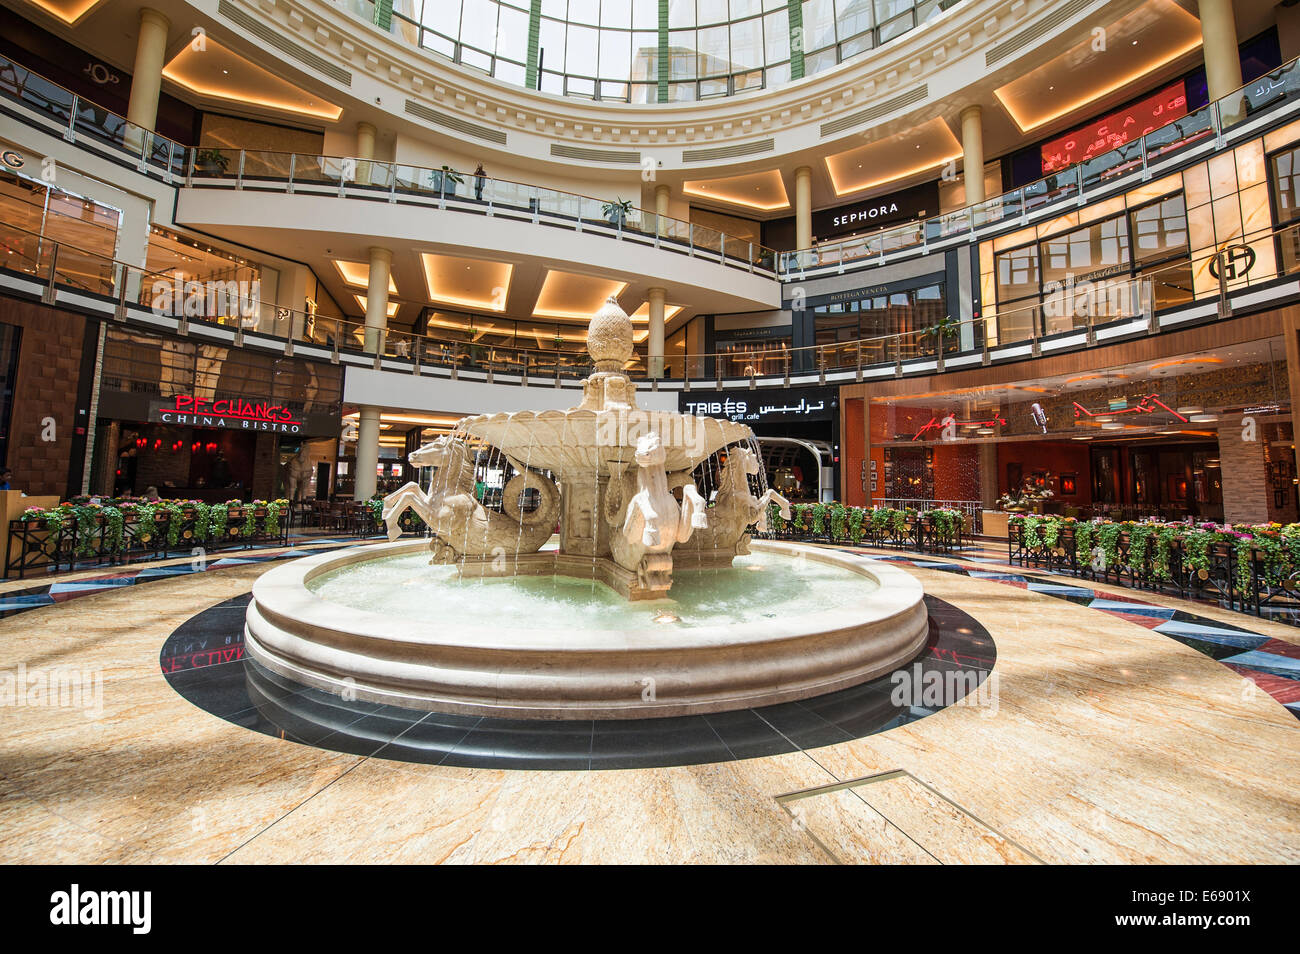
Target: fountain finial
609,337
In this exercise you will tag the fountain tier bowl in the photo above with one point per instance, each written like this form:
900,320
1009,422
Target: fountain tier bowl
810,622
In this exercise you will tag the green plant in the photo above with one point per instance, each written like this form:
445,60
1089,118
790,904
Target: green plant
451,175
616,210
212,157
1139,537
857,517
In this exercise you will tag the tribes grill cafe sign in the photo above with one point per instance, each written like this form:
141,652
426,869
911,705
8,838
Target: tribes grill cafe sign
234,413
1115,130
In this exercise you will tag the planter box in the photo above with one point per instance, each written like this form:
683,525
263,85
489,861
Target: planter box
995,523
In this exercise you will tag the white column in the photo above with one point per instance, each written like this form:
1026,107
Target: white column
365,151
661,209
1219,46
381,260
146,78
972,144
655,342
363,487
803,207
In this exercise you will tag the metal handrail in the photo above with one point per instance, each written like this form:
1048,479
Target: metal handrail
339,334
1071,181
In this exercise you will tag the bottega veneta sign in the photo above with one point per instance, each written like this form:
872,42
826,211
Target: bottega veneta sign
235,413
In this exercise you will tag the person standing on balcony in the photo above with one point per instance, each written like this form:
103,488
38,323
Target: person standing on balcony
480,177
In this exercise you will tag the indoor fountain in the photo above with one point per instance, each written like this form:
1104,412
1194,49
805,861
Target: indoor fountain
654,602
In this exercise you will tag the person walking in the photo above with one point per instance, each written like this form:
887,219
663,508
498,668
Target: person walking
480,177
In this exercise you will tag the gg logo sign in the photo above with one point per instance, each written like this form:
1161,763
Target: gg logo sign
1232,263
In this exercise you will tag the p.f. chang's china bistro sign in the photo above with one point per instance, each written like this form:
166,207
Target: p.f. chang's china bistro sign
234,413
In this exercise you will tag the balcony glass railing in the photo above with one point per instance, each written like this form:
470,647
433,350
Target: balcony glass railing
1047,324
156,154
1100,172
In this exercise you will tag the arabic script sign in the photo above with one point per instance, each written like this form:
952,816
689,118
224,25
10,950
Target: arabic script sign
749,407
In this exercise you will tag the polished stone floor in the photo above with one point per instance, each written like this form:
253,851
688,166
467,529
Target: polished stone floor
1095,738
204,661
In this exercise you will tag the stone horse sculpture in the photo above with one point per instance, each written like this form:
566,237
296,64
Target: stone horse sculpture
646,521
460,524
735,508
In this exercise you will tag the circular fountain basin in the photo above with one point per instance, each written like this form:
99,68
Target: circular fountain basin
787,622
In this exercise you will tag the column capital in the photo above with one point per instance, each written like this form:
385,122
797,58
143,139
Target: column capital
150,15
382,254
364,127
974,111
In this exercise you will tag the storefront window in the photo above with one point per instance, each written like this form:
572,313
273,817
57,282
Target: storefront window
1086,275
903,323
1285,174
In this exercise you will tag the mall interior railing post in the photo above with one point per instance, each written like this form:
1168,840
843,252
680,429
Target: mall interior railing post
787,369
722,248
821,365
119,310
491,364
898,356
239,331
523,371
455,360
146,150
70,131
1225,304
1216,124
239,176
983,329
1078,186
381,345
751,257
293,159
1146,168
557,369
690,237
858,374
392,184
417,350
47,296
1146,300
338,333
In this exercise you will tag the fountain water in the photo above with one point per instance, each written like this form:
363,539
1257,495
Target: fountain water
622,484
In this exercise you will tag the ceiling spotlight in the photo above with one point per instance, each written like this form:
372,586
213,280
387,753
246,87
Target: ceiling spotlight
1203,418
1103,419
1190,409
1111,426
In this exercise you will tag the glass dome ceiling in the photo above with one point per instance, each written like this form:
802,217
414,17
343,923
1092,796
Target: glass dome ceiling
648,51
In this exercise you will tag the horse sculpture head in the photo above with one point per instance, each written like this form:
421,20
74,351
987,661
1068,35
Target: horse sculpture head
439,452
650,451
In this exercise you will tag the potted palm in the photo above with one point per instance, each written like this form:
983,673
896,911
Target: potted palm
616,212
445,180
211,162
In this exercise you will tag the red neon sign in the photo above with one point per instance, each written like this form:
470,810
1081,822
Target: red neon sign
235,412
1147,405
1116,129
935,424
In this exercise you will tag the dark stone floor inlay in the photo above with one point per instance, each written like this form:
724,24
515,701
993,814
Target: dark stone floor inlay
204,661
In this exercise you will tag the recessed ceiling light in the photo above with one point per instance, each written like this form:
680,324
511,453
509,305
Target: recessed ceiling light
1190,409
1112,426
1202,418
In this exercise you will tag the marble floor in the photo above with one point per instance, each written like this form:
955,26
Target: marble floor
1095,738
